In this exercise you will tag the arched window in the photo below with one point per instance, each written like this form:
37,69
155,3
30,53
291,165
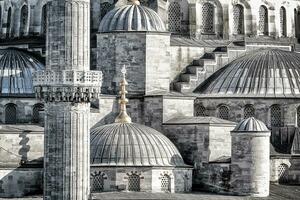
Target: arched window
1,23
208,18
276,115
11,114
174,17
44,20
283,21
23,20
36,112
223,112
165,183
263,20
8,23
97,181
238,19
200,110
134,183
283,173
249,111
105,8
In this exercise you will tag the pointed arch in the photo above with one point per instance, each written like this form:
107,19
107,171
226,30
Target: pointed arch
24,16
263,25
283,24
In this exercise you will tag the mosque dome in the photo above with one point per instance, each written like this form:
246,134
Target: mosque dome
250,125
264,73
16,69
130,144
132,17
124,143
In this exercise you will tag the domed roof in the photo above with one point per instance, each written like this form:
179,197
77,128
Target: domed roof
16,68
130,144
263,73
250,125
131,18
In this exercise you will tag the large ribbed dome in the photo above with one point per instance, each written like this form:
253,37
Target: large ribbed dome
16,68
263,73
130,144
131,18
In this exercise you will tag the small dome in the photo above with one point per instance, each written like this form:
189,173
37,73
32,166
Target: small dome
263,73
251,125
130,144
131,18
16,69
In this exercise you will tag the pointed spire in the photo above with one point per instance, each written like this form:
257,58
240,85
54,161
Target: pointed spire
123,117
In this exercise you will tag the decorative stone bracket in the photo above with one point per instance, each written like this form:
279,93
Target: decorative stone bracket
67,85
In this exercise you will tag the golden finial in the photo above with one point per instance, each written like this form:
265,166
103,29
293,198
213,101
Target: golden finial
135,2
123,117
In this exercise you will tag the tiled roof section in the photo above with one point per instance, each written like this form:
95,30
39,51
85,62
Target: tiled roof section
263,73
130,144
16,69
251,125
198,120
131,18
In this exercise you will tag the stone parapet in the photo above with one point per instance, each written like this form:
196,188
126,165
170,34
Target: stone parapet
67,85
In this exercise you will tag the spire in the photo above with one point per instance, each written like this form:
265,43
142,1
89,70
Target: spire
123,117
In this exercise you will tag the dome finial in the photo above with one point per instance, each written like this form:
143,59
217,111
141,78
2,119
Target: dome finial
135,2
123,117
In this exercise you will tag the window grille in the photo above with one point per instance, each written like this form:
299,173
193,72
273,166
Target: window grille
249,111
174,17
224,112
263,20
105,8
134,183
238,19
283,173
208,21
97,184
276,115
11,114
44,20
36,112
283,21
23,20
8,26
165,183
200,110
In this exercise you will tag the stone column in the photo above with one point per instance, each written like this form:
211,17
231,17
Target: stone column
67,87
250,158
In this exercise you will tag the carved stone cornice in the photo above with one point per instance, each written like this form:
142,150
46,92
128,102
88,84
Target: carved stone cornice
67,85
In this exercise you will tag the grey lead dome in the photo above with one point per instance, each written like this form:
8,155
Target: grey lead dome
130,144
131,18
250,125
263,73
16,69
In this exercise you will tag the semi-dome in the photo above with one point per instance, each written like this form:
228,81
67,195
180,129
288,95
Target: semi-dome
16,69
250,125
130,144
263,73
131,18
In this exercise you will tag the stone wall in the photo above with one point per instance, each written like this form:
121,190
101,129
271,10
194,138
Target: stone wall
116,178
261,105
24,108
19,182
146,56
